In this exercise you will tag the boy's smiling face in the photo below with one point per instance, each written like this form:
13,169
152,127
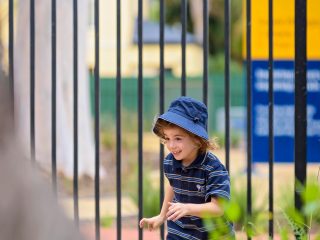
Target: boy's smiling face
181,144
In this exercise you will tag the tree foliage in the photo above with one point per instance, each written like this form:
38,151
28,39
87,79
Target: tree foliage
216,24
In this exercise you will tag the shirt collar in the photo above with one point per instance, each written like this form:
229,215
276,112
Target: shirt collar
196,163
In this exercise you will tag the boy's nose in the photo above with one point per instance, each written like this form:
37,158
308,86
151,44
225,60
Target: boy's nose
171,144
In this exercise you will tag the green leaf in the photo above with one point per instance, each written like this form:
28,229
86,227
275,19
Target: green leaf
233,211
311,193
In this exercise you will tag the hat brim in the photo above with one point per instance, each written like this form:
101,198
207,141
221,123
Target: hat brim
184,123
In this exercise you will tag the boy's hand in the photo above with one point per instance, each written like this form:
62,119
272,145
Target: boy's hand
177,211
152,223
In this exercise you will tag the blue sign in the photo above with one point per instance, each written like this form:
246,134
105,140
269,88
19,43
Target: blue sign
283,76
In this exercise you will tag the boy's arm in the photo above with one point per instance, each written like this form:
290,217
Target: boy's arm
178,210
156,221
168,197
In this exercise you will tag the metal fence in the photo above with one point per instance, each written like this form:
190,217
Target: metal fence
300,97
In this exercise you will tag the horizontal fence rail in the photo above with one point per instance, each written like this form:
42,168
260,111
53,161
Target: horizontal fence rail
300,110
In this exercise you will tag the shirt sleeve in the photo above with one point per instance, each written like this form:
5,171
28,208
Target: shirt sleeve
167,168
218,183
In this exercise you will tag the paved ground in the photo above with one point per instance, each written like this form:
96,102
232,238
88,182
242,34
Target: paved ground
108,206
132,234
111,233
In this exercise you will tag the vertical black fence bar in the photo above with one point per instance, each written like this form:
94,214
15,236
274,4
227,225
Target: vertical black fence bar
183,46
53,96
161,102
140,114
32,80
97,119
11,43
118,121
227,80
249,83
205,51
300,110
271,133
75,112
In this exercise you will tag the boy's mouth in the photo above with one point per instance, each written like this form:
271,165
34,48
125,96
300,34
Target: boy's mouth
175,152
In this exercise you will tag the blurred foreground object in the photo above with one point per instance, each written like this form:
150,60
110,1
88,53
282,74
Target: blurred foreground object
28,210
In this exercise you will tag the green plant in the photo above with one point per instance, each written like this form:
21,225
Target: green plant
311,198
294,222
151,196
129,141
106,221
300,223
218,228
154,11
217,64
235,139
254,225
235,210
108,140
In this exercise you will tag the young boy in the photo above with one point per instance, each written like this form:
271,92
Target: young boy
196,176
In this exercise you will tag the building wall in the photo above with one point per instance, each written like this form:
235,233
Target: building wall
129,51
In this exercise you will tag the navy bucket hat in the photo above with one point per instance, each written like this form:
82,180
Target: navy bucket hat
189,114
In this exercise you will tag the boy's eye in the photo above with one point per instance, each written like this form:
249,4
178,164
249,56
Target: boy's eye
164,140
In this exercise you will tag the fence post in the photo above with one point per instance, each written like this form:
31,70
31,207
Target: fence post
249,107
271,114
300,123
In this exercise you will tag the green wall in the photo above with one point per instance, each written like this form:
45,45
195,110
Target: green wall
129,97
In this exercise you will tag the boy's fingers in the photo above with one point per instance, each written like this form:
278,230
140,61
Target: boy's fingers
150,227
171,210
169,213
174,216
141,223
177,217
171,216
172,205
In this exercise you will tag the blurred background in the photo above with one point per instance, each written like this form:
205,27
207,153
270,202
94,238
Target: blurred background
83,69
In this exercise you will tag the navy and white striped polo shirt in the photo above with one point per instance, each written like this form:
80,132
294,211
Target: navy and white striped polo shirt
206,177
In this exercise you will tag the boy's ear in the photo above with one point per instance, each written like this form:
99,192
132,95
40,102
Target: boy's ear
197,143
